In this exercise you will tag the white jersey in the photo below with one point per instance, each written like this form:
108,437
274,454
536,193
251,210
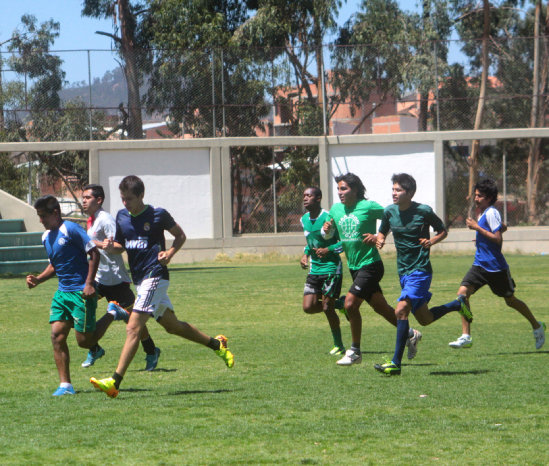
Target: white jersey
111,270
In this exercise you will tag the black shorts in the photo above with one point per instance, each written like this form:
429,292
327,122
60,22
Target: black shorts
501,283
326,285
366,280
121,293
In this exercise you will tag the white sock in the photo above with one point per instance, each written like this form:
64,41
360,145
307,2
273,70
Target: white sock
65,385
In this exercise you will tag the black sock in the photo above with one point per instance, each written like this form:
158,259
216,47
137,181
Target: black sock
95,348
148,346
117,379
356,347
214,344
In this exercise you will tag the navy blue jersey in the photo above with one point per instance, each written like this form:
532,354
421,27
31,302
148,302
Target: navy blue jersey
143,238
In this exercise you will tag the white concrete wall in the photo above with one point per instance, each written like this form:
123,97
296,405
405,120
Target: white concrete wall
178,180
375,164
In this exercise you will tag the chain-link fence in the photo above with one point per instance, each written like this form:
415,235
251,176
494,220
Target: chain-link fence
269,92
506,162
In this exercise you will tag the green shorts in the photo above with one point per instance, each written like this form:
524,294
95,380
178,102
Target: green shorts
70,306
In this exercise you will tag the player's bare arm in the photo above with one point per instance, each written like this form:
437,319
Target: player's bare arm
33,280
369,238
495,237
321,252
164,257
304,262
93,263
428,242
380,240
328,229
112,247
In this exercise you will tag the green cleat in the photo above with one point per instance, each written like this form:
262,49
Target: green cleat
465,310
388,368
223,352
105,385
337,351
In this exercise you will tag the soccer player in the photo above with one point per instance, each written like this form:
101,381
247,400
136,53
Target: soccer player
74,303
490,267
355,220
323,283
111,280
140,231
410,222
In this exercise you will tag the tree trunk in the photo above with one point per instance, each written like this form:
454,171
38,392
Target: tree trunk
423,110
535,158
131,70
473,158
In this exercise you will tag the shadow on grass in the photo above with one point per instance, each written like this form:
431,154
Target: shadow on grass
472,372
205,268
158,369
193,392
522,352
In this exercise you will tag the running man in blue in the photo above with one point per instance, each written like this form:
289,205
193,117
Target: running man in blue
490,267
75,302
323,283
140,232
410,223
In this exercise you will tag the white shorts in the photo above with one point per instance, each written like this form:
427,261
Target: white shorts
152,297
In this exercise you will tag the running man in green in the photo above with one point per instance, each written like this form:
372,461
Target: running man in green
323,283
410,223
355,220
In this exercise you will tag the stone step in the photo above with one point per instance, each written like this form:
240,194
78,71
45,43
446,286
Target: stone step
33,238
12,225
21,267
22,253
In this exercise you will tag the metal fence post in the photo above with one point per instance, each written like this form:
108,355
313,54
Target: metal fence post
504,187
90,96
275,213
435,51
223,92
323,84
213,93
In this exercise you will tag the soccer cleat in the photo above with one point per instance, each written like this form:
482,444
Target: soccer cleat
64,391
117,311
464,309
152,360
464,341
93,356
351,357
105,385
412,343
539,335
337,351
223,352
388,368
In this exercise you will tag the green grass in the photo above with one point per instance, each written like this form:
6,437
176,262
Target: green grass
285,401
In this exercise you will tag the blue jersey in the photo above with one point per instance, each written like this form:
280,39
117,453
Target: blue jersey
67,248
489,255
143,238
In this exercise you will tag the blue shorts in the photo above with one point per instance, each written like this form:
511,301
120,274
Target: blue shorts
415,287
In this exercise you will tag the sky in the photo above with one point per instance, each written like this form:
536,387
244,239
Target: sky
78,33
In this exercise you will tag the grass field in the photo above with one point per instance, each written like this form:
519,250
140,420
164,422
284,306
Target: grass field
285,401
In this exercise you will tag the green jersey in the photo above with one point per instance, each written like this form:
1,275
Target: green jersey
408,226
351,224
331,263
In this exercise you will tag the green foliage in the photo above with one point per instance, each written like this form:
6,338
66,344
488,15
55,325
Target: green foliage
12,179
286,401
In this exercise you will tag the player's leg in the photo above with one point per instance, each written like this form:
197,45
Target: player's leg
402,311
172,325
352,307
59,333
134,327
312,294
537,327
474,279
331,289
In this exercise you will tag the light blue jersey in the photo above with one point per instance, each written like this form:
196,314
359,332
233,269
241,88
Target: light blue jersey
489,255
67,248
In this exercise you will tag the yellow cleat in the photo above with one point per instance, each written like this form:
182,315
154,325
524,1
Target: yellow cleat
223,352
105,385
